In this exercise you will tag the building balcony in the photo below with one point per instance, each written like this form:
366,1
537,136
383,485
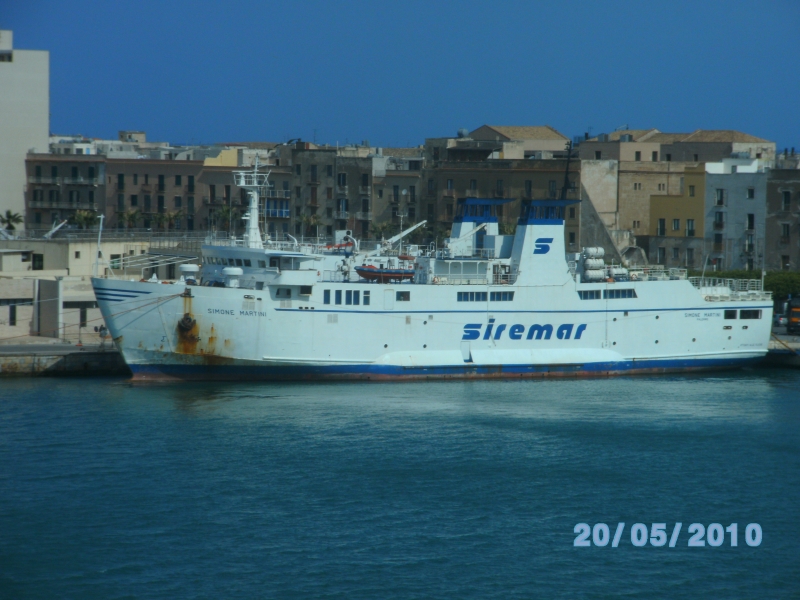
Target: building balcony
46,204
449,193
749,248
690,233
365,189
277,213
277,194
44,180
718,247
342,189
341,214
364,216
719,225
79,181
471,194
661,232
784,240
313,180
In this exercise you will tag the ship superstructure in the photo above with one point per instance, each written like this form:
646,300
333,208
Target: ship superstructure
482,305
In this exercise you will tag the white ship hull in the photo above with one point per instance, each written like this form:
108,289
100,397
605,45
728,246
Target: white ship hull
249,334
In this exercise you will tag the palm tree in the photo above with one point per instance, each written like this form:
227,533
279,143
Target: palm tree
10,219
160,220
172,217
85,218
380,229
225,217
131,218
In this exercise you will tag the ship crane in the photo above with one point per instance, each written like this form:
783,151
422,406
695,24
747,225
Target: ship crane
387,244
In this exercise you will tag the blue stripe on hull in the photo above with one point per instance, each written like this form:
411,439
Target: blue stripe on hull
203,372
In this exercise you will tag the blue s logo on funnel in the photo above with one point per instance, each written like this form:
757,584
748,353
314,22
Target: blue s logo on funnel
542,245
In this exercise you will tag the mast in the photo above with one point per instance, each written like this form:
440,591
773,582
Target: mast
253,182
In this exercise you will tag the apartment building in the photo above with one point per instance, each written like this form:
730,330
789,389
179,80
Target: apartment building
783,220
24,116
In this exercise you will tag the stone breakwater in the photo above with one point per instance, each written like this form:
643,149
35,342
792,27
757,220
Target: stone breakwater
34,360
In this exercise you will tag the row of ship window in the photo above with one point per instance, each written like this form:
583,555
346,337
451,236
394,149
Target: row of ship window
743,314
351,297
481,296
233,262
607,294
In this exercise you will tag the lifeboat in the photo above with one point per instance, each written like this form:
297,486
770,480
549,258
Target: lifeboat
373,273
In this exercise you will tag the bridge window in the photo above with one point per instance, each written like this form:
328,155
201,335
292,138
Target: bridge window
730,314
366,298
501,296
326,297
351,297
617,294
247,262
262,264
338,296
589,294
403,296
472,296
749,314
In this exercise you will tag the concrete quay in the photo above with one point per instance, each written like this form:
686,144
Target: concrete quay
32,359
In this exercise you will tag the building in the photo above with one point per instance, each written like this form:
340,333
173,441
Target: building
537,141
736,210
783,220
25,121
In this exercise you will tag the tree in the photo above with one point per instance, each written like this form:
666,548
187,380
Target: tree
10,219
173,217
131,218
380,229
85,218
160,220
225,218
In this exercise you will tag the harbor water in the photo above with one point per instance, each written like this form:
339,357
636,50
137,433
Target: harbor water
418,490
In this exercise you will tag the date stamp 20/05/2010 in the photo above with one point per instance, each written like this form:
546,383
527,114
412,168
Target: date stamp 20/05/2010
656,535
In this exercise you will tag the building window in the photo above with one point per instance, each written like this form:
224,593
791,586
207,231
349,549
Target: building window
655,156
676,224
528,188
696,158
161,204
751,193
120,203
551,188
298,169
37,262
134,200
571,238
178,201
329,193
449,210
662,227
662,254
691,191
597,154
751,221
669,157
638,156
637,186
120,181
675,254
689,227
412,193
785,264
785,231
473,184
431,186
177,180
787,200
449,184
572,213
161,183
396,192
329,170
190,184
720,197
341,179
364,180
689,256
637,224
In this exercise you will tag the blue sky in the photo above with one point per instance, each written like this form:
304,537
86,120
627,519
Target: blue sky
395,73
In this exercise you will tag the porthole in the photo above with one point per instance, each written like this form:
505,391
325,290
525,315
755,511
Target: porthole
386,345
694,339
656,341
424,345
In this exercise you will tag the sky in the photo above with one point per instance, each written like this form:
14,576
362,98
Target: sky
395,73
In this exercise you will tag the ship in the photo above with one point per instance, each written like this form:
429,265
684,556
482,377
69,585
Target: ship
480,305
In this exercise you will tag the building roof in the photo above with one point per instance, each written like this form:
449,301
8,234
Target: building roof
402,152
721,135
636,134
666,138
251,145
519,132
